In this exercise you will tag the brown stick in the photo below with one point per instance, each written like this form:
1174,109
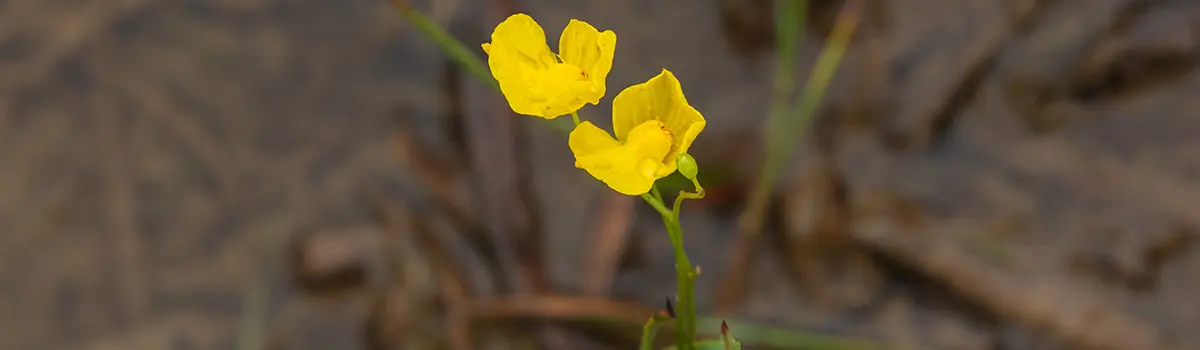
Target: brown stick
398,219
561,307
1081,319
607,242
503,162
184,127
122,204
733,288
442,184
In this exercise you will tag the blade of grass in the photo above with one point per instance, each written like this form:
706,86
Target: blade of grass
446,42
782,131
254,314
827,64
789,17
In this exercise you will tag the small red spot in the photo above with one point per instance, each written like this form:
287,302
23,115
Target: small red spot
665,130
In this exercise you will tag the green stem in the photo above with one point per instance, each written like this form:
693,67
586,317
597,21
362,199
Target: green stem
788,34
784,125
446,42
827,63
657,195
648,333
657,204
782,131
685,309
684,272
650,330
788,29
575,117
789,15
688,195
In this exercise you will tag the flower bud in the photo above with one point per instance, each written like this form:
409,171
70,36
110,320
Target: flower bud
687,166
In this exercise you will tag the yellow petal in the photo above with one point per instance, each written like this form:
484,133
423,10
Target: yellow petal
561,88
660,98
520,34
587,140
519,57
628,168
486,46
583,46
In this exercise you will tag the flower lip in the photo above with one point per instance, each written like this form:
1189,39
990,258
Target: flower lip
660,98
654,125
628,166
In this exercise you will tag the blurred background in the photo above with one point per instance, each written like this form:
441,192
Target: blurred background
275,174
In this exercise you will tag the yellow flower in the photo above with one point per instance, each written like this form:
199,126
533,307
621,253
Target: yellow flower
654,124
538,82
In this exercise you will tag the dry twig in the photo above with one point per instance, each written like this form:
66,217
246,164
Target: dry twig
122,203
1081,319
607,242
399,220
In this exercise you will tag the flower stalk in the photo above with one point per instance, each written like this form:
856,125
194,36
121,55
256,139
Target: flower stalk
653,126
685,273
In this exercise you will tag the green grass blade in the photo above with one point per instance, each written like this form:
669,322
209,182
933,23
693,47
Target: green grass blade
447,43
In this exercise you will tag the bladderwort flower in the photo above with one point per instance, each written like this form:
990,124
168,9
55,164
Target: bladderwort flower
653,123
538,82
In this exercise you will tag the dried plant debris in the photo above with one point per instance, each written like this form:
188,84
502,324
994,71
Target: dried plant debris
1096,52
331,261
1134,257
1148,47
